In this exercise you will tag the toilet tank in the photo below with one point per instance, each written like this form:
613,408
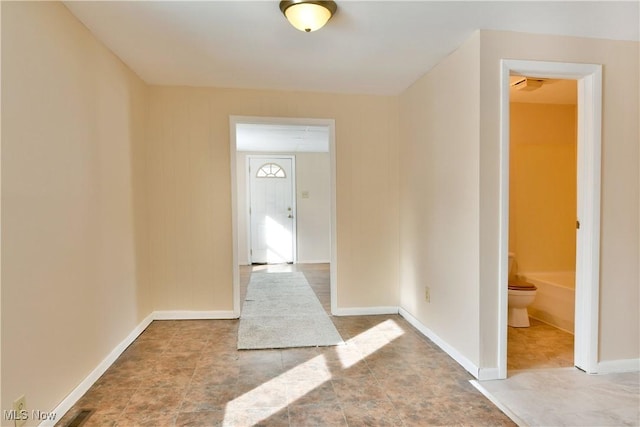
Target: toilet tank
512,267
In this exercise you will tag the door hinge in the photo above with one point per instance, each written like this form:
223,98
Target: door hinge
578,225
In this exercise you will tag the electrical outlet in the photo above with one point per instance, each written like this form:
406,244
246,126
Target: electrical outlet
427,294
20,414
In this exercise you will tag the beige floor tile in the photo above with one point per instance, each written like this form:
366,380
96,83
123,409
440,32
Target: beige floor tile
317,415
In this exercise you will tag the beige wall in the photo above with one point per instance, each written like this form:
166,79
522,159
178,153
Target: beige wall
619,275
71,114
439,199
542,187
313,214
313,175
189,192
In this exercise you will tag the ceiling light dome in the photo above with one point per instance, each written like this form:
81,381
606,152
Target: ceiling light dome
307,15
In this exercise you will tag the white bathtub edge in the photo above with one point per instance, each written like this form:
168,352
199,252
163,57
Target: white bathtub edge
536,277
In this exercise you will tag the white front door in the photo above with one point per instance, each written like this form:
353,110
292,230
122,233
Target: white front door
271,210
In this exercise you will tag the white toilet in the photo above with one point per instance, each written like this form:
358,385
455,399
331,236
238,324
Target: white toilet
521,295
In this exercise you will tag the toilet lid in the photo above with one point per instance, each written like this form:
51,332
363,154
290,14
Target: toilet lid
522,285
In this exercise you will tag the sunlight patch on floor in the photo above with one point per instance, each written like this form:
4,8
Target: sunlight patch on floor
369,342
314,372
263,401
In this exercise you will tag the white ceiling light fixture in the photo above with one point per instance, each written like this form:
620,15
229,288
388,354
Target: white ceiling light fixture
308,15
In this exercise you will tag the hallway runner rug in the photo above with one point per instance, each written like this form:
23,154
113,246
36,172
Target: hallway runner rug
282,311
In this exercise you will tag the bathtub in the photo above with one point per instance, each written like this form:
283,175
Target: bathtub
555,298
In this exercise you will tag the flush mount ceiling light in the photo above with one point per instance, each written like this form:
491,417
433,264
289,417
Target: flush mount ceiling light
308,15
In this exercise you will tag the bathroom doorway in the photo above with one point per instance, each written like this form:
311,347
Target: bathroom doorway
588,78
542,219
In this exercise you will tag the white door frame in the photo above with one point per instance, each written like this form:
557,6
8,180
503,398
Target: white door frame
293,200
589,79
235,120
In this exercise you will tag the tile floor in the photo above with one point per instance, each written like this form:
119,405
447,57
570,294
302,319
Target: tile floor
538,346
189,373
567,397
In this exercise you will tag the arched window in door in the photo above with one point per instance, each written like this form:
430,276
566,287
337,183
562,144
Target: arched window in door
270,170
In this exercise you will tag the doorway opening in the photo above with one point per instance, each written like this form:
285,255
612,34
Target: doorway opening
588,154
283,197
542,222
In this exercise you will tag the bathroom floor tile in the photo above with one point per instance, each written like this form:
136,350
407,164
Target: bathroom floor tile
538,346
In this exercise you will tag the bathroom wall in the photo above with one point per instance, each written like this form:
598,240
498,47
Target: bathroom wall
542,203
542,186
313,213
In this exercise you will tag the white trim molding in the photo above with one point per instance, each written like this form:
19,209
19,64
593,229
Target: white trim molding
487,374
451,351
314,261
364,311
193,315
614,366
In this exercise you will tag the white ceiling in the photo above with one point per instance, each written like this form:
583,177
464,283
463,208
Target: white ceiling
368,47
282,138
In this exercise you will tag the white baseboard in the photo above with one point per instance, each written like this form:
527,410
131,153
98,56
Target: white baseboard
364,311
193,315
451,351
86,384
624,365
298,261
486,374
